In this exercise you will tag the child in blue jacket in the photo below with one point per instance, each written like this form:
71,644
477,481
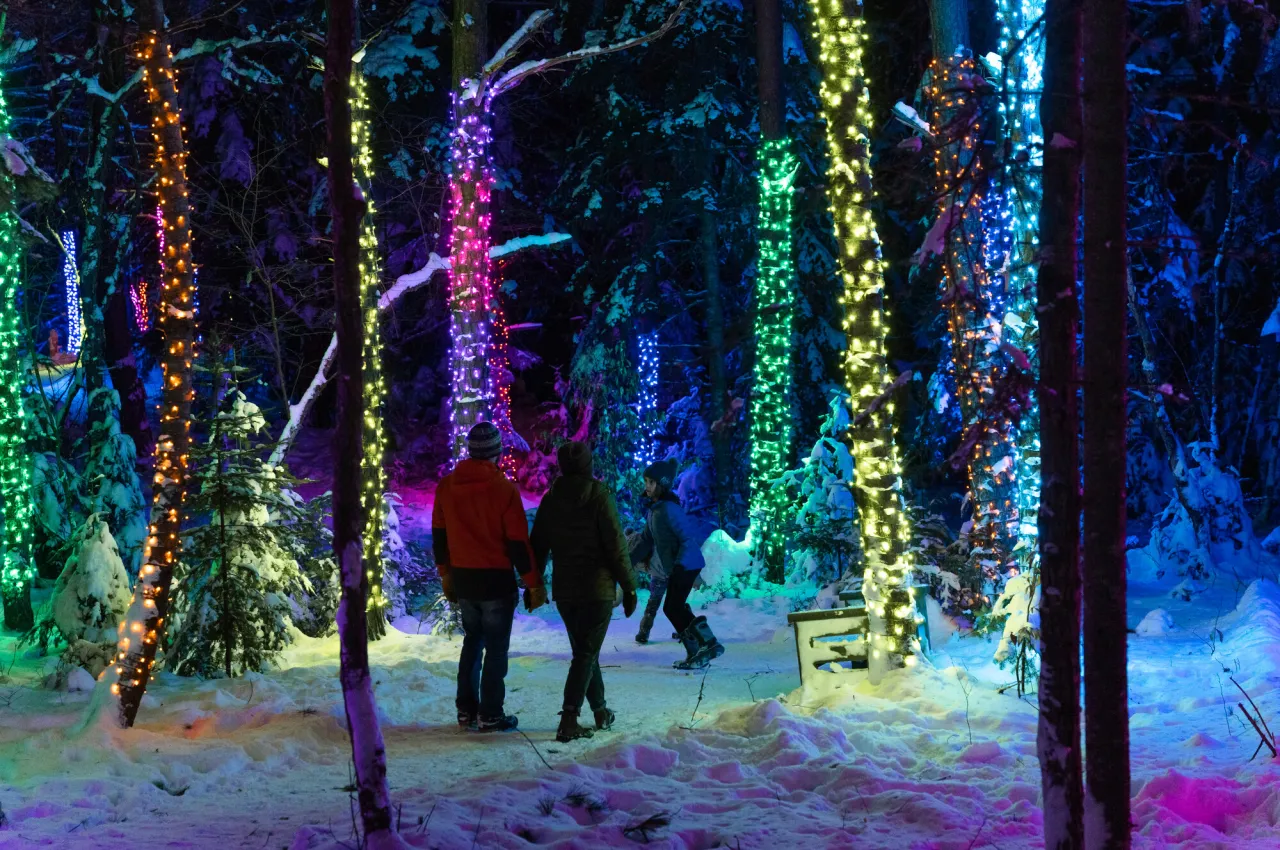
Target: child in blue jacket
673,546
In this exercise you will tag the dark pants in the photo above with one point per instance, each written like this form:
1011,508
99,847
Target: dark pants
657,589
586,623
486,629
676,606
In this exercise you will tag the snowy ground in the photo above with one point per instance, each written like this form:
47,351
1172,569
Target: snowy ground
935,758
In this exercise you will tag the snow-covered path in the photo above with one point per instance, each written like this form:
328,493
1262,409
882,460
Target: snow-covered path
933,759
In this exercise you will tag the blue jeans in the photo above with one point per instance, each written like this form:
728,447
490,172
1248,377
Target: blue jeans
486,627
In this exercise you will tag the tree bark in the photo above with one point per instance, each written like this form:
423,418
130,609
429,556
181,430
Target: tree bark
146,618
773,105
949,20
709,252
368,751
1058,739
1106,684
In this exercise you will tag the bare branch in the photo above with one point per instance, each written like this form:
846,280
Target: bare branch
517,40
524,70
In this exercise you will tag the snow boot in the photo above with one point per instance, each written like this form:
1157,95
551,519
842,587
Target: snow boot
498,724
569,729
466,720
604,719
708,648
646,625
691,647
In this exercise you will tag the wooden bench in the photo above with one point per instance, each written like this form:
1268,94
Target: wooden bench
836,637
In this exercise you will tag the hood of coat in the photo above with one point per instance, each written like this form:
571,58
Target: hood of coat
575,489
472,474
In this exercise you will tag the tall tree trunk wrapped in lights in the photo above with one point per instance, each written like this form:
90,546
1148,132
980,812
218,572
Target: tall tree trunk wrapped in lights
975,307
1058,737
1106,269
348,210
774,297
145,620
17,570
373,494
878,489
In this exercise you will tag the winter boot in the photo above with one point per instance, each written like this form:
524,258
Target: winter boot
646,625
604,719
498,724
569,729
691,647
708,649
466,720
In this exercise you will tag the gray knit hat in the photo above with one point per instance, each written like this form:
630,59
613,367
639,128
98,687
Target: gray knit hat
663,473
484,441
574,459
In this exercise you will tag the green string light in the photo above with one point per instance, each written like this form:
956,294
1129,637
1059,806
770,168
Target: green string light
18,570
771,421
885,531
375,389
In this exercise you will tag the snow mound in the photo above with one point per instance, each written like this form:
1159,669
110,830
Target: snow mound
726,558
1156,623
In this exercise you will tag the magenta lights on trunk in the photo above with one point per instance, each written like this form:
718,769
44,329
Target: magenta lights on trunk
141,311
478,361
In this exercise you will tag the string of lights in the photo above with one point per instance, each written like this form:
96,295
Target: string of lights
71,289
885,530
771,420
646,451
978,239
18,570
1022,51
374,485
143,627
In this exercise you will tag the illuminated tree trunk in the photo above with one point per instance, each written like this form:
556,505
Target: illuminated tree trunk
367,749
1058,738
975,310
17,570
1106,682
773,300
145,621
878,489
374,477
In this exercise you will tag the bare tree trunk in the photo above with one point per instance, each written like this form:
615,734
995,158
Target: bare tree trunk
709,252
949,26
150,609
368,751
1106,684
1058,739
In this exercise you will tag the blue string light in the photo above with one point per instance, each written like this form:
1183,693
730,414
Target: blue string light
647,407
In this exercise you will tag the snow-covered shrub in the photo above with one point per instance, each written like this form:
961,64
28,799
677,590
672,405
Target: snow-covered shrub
55,487
231,598
942,559
307,536
112,481
1017,613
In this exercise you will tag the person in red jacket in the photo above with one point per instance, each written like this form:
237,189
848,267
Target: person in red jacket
478,534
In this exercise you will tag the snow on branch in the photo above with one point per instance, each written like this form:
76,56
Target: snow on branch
405,283
527,69
517,40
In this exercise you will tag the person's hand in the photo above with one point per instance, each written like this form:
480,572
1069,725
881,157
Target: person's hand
446,587
629,602
535,598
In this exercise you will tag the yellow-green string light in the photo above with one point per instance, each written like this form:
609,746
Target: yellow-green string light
885,531
374,478
771,421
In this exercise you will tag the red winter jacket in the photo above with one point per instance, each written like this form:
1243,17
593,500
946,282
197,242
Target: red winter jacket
479,532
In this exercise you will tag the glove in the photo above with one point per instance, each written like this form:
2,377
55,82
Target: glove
629,602
446,587
535,598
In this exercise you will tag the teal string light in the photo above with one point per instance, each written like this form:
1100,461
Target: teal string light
17,571
771,421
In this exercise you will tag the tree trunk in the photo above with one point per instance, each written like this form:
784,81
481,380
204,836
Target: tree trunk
1106,684
718,390
146,617
367,749
877,489
772,303
1058,740
949,20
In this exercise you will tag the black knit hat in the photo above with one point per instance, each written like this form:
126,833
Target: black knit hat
484,441
662,472
574,459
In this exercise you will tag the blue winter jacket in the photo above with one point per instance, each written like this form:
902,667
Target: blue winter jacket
670,540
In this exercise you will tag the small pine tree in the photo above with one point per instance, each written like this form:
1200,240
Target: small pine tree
232,587
55,488
310,541
110,473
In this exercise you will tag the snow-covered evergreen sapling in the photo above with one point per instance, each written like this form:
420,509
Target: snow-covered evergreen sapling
112,479
55,487
232,587
310,541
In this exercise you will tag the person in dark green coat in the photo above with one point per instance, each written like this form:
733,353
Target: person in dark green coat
577,525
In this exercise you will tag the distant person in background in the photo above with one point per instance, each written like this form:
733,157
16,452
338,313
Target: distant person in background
672,539
577,525
657,590
478,534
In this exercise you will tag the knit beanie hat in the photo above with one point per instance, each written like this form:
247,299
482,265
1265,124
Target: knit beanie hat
574,459
663,472
484,441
